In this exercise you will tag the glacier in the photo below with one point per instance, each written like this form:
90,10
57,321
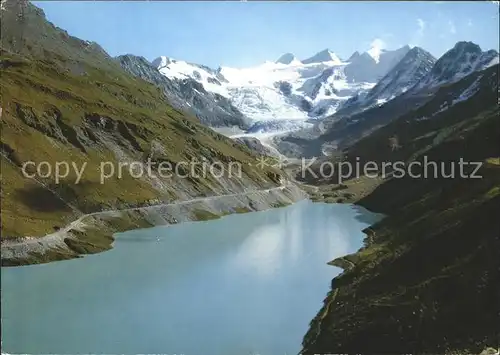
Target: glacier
289,90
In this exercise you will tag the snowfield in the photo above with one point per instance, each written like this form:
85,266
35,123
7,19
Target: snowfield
290,94
288,89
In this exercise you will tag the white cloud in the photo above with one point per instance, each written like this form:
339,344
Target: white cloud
421,26
451,27
376,47
419,33
470,23
378,43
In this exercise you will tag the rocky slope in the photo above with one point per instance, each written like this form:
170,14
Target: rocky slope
212,109
255,145
464,58
416,64
65,100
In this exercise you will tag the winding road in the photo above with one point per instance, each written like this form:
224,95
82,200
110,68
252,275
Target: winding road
58,236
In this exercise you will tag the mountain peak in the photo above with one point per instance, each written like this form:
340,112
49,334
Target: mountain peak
460,61
161,62
417,51
467,47
287,58
353,56
377,50
461,52
416,57
375,53
324,56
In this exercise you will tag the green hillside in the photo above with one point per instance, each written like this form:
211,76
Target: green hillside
64,99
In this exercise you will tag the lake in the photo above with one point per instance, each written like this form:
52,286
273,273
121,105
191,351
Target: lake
243,284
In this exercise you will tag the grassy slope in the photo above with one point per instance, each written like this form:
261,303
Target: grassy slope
54,89
427,280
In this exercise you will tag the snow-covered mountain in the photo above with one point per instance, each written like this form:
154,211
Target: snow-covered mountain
211,80
464,63
288,58
185,93
325,55
420,74
373,64
319,94
415,65
463,59
289,89
293,91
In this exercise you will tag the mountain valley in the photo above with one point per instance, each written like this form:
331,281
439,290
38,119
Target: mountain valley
412,256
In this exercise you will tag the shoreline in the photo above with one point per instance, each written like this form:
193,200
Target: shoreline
93,232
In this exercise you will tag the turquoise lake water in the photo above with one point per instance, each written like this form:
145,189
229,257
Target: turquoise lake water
244,284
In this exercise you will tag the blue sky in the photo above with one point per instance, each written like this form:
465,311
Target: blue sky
241,34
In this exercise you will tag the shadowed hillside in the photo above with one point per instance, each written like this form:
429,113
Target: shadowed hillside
426,280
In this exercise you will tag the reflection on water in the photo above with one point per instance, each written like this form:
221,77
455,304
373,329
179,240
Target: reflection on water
261,251
243,284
